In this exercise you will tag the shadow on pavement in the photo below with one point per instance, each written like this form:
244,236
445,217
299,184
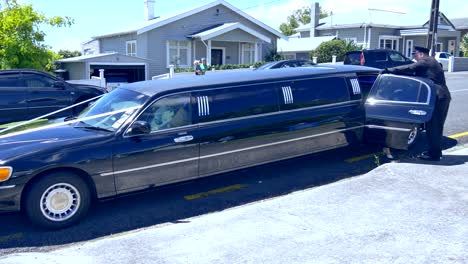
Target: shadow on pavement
170,205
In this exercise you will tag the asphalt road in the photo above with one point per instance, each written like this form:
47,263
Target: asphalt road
178,202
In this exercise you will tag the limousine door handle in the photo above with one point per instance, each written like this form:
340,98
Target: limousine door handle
183,139
417,112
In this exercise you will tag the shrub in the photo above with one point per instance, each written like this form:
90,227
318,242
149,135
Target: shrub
338,47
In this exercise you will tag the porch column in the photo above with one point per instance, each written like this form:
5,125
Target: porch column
208,53
256,52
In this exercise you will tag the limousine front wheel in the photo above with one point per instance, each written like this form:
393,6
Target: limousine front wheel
57,200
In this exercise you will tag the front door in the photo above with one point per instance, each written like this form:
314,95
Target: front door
409,48
395,105
168,154
216,57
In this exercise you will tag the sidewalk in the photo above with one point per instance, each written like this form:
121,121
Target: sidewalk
397,213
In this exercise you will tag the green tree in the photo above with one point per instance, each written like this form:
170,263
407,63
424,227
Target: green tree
69,54
338,47
464,45
299,17
22,40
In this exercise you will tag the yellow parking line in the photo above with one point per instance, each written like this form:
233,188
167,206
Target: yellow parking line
11,237
215,191
459,135
356,159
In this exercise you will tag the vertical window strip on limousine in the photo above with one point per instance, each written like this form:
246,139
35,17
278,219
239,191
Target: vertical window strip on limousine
356,87
203,106
287,94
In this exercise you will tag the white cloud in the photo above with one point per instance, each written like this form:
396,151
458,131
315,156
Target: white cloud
274,15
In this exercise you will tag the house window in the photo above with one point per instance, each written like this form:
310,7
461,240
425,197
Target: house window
178,53
388,43
131,48
248,53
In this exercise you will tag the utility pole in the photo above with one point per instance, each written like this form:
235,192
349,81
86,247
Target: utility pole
433,23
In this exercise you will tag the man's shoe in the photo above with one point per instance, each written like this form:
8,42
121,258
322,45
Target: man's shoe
425,156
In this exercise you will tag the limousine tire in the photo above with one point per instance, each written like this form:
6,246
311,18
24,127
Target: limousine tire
57,200
413,136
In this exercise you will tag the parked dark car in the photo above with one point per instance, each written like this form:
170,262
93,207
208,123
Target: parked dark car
26,94
377,58
286,64
158,132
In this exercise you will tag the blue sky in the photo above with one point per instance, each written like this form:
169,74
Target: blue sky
95,17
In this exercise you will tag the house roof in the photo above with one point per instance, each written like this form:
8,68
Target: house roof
443,18
224,28
301,44
371,17
460,23
84,58
159,22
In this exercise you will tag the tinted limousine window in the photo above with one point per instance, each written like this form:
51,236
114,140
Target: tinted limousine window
401,89
236,102
314,92
168,112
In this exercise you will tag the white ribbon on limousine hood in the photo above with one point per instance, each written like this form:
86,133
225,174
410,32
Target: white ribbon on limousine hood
61,123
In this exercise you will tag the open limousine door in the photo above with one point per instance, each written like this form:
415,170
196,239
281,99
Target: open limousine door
396,108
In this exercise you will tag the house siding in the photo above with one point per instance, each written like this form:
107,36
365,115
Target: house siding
182,28
237,35
91,47
76,70
117,43
232,51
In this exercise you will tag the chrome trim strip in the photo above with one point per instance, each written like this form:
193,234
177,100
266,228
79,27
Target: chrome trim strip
199,107
373,101
148,167
389,128
207,105
285,95
282,112
291,94
228,152
356,86
7,187
254,116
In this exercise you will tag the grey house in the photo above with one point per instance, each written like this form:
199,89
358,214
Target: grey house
379,32
218,31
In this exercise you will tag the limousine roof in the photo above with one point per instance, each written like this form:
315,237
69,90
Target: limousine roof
229,78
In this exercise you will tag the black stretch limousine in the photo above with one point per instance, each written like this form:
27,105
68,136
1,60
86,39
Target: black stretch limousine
164,131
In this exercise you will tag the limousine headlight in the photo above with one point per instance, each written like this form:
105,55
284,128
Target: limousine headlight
5,173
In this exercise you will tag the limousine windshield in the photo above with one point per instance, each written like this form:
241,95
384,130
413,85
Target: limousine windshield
113,109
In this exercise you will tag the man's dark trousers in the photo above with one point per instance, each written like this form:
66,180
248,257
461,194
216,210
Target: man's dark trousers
435,127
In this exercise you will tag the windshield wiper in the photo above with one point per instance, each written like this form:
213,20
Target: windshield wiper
88,126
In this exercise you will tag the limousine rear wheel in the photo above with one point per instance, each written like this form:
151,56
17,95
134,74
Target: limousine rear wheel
57,200
413,136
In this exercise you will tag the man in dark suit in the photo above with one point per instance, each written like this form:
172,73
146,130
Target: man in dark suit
427,66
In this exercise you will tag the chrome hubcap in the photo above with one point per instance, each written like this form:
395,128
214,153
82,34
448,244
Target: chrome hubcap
60,202
412,135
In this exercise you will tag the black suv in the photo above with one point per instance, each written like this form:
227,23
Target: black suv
377,58
25,94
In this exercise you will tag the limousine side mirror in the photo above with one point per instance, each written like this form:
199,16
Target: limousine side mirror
59,85
139,128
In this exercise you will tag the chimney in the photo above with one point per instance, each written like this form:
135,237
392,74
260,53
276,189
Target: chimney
314,19
149,9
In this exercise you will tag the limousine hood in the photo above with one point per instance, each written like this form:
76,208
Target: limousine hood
27,145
